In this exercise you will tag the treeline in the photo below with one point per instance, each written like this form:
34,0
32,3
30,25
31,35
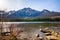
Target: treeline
34,19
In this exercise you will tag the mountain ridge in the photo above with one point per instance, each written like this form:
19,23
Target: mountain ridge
31,13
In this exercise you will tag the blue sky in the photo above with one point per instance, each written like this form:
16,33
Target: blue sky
52,5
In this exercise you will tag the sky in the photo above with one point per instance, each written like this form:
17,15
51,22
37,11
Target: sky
52,5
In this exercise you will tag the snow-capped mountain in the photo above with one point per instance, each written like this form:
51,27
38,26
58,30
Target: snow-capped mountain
29,13
25,12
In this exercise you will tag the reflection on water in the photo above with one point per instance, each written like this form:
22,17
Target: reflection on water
25,22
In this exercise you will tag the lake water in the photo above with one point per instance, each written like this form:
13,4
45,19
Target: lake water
26,22
30,29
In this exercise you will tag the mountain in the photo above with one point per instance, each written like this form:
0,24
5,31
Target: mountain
25,12
11,12
48,14
3,14
30,13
